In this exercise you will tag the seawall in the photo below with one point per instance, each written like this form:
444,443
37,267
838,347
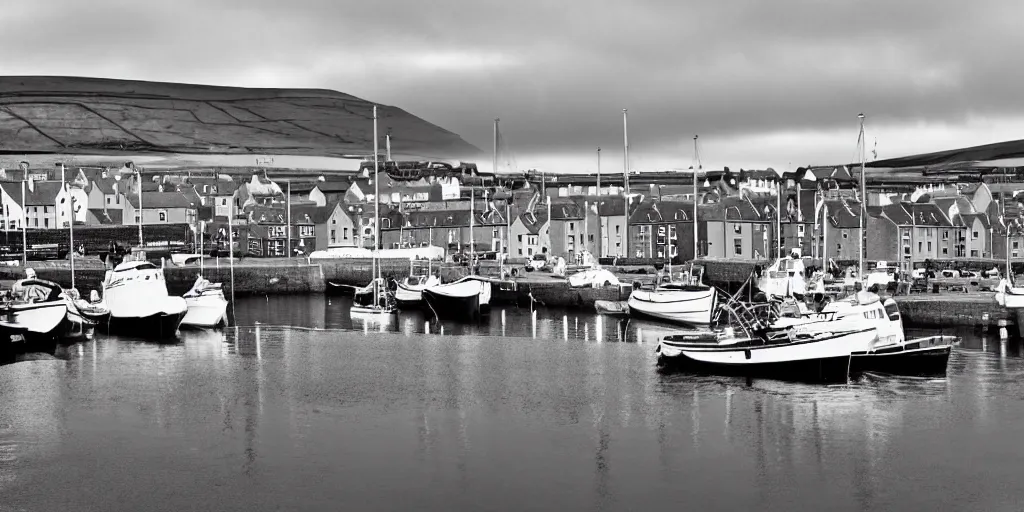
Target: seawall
249,279
955,309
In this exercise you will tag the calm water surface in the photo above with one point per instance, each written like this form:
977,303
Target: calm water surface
542,411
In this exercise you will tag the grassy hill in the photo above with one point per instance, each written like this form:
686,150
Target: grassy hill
75,115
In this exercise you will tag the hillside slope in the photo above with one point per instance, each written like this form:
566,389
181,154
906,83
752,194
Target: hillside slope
98,116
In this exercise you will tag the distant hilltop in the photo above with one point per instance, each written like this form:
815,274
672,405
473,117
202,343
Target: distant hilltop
75,115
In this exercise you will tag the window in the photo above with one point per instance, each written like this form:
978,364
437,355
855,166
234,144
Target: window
945,234
920,246
520,251
385,223
974,235
737,246
223,201
108,200
846,234
117,198
974,253
275,231
344,233
1014,254
46,222
945,251
929,246
46,209
494,233
1016,244
163,215
800,230
333,238
137,219
520,238
738,229
529,251
590,238
306,231
617,229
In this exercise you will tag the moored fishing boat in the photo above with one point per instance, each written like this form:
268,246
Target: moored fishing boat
206,304
465,299
685,304
137,303
409,291
35,310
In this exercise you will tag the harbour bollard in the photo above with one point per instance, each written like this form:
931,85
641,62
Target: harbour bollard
1003,332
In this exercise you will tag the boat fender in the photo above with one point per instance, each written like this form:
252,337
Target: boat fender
636,285
746,353
515,272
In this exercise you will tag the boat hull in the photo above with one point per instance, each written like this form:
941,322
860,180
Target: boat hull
684,307
158,326
34,322
821,358
453,307
207,310
919,357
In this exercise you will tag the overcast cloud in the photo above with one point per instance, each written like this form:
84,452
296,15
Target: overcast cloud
765,83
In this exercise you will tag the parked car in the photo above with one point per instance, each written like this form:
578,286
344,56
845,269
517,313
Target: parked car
538,262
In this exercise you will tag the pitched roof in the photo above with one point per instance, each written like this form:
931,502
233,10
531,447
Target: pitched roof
534,220
566,210
838,173
13,189
332,187
929,214
844,213
898,214
42,193
969,218
426,219
159,200
316,214
656,212
108,216
225,187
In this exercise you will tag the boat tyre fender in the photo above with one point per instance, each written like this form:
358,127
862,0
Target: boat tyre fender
514,272
636,285
746,353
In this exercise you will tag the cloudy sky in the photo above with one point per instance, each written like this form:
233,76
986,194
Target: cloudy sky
764,83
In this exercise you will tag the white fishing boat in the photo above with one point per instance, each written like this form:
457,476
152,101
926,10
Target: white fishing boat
592,278
409,291
465,299
680,304
381,303
207,306
137,303
35,310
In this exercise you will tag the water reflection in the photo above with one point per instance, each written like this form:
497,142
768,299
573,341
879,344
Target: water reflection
304,418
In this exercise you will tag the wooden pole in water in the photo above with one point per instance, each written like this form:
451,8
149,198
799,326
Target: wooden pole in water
598,204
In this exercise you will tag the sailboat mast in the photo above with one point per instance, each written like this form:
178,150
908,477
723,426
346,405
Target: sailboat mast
138,175
863,200
71,223
24,222
387,147
625,185
376,205
696,168
597,205
494,170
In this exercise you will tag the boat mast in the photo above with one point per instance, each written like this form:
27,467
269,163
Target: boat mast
376,206
71,224
625,185
597,205
24,222
863,200
696,167
494,171
138,175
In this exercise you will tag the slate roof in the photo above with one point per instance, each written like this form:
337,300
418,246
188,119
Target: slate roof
13,189
969,218
317,214
332,187
42,193
929,214
159,200
535,220
109,216
224,187
661,212
844,213
425,219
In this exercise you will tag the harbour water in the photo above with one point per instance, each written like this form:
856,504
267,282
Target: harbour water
542,411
